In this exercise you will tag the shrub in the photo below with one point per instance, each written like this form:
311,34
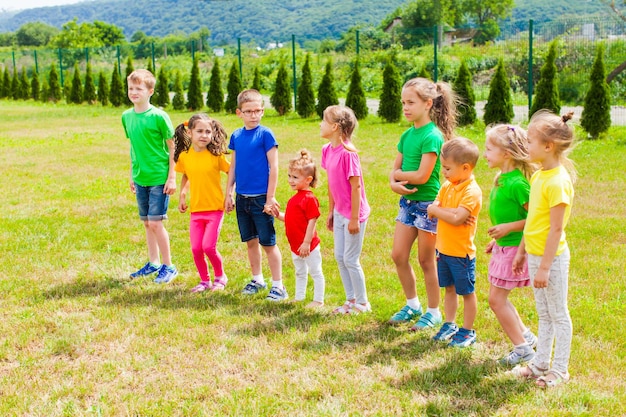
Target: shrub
89,93
215,95
35,89
24,87
194,92
390,108
129,69
463,88
256,81
355,99
178,101
162,89
499,106
281,98
15,85
547,92
53,91
326,93
103,89
115,92
233,88
596,116
306,96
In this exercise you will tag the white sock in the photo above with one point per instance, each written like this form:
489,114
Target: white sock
414,303
278,284
258,278
522,347
527,333
434,311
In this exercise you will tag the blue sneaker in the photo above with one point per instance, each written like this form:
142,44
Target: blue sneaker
277,294
405,315
446,331
253,287
427,321
148,269
166,274
463,338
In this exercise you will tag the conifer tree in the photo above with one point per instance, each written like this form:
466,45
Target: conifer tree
15,85
281,99
2,85
306,96
596,115
103,89
115,92
24,86
499,106
35,89
355,99
6,84
215,95
390,108
178,101
89,92
233,88
149,67
44,91
463,88
326,93
161,96
76,91
256,81
129,69
67,88
547,90
53,91
194,92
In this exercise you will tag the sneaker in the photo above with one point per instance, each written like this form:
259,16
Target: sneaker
219,284
203,286
446,331
277,294
427,321
515,358
463,338
531,339
253,287
148,269
405,315
166,274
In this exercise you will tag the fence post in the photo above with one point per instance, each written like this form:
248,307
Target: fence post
295,81
13,55
530,65
86,56
358,43
36,63
61,67
239,57
435,69
153,60
119,63
193,50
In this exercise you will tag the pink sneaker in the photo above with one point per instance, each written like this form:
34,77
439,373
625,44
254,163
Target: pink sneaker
219,284
203,286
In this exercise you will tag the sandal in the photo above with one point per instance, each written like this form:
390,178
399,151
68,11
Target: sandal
530,371
203,286
357,308
552,379
343,309
219,284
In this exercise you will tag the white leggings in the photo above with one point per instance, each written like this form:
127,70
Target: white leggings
312,264
347,253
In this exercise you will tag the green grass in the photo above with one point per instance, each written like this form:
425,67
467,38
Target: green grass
77,338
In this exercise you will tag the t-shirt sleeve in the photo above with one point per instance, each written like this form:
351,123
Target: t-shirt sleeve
324,153
353,165
269,140
224,163
558,194
180,164
432,143
472,198
311,208
167,129
520,191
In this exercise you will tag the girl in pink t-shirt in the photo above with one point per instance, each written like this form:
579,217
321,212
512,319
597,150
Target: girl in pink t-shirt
348,207
199,155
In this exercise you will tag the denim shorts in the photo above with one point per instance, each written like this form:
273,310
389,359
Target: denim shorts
460,272
414,214
152,202
253,222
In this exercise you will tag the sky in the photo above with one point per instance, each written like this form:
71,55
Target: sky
29,4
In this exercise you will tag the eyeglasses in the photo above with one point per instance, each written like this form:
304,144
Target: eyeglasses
249,113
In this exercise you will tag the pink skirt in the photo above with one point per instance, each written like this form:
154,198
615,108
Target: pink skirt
501,271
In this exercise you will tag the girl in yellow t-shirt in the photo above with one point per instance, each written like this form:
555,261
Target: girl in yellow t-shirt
200,156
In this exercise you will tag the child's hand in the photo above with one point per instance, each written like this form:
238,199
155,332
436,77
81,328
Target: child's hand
518,263
229,204
330,222
399,187
182,205
490,245
304,250
132,187
170,186
431,209
353,226
541,278
470,221
497,232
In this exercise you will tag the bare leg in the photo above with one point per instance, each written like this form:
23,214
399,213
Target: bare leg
274,259
506,314
451,303
426,254
162,239
153,247
403,240
470,306
254,255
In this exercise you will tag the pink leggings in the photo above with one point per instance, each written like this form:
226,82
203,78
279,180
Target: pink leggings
204,229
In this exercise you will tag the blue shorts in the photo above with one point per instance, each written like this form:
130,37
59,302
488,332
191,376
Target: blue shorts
460,272
253,222
151,201
414,214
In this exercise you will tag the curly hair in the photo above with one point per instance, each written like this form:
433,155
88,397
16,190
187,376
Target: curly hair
305,164
182,137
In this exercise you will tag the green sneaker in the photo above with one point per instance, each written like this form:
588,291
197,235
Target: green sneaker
427,321
405,315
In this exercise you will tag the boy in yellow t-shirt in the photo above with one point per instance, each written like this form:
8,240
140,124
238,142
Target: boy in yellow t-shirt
456,208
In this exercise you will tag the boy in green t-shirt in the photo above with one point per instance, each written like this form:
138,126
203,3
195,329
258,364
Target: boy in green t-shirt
152,175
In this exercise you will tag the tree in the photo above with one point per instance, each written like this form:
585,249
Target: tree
129,70
35,34
547,91
596,115
194,92
103,89
4,79
178,102
53,92
116,96
485,14
89,93
215,95
233,88
86,34
256,81
24,87
463,88
390,108
355,99
306,96
499,106
281,98
76,92
15,85
35,89
326,93
161,96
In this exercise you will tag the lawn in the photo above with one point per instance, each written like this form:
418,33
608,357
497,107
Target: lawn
78,338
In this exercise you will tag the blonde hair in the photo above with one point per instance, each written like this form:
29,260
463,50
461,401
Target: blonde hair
461,151
443,111
514,141
551,128
305,164
247,96
182,139
344,117
144,76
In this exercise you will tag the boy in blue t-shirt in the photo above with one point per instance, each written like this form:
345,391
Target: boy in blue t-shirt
254,171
